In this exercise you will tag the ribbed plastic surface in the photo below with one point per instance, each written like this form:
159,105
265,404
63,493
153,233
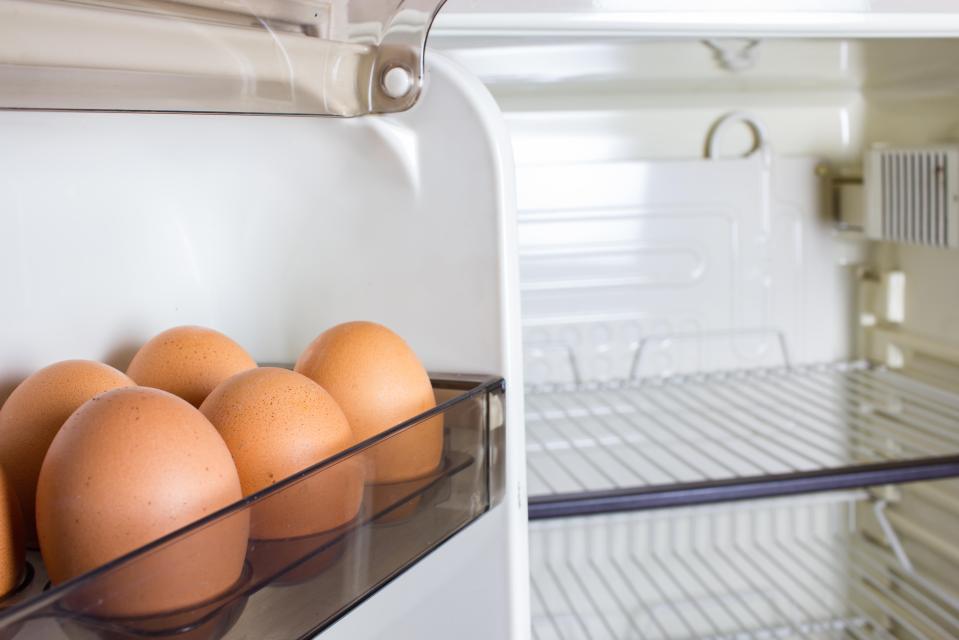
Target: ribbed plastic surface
912,195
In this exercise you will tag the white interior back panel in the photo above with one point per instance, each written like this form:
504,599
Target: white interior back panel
700,264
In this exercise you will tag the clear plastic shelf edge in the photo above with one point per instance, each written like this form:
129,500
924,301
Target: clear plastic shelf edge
295,57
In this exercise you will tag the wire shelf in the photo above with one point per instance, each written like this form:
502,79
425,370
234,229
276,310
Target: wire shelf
758,571
596,448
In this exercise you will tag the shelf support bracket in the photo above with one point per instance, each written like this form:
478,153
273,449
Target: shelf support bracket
879,509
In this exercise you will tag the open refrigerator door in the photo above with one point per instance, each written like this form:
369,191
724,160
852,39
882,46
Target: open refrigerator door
143,189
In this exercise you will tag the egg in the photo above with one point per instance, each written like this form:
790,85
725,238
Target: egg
34,413
128,467
12,551
277,422
378,382
188,362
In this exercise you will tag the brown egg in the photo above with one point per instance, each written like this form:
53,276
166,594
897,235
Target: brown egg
127,468
378,382
189,362
12,551
277,422
34,413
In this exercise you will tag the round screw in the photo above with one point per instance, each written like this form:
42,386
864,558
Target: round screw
397,82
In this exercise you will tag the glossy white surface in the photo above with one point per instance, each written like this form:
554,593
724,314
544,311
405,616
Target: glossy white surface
599,102
271,229
627,236
603,100
720,6
625,18
704,264
440,597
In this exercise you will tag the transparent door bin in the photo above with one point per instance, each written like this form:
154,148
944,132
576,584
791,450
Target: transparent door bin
287,587
317,57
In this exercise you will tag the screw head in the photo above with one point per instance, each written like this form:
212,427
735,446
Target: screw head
397,82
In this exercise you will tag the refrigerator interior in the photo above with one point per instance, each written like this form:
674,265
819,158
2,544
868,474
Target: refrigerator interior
705,320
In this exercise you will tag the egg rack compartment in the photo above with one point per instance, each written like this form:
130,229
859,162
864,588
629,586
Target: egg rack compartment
651,443
294,588
808,567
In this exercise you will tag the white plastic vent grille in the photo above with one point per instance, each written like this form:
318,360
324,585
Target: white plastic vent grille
912,195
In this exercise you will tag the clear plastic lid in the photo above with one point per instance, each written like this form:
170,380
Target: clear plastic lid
287,586
316,57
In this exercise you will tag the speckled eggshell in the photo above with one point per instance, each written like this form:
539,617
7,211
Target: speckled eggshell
12,551
378,382
128,467
188,362
277,422
34,413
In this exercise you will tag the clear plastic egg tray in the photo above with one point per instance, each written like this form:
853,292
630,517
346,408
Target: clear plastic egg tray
291,588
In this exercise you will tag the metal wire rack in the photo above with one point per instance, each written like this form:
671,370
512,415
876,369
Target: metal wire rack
786,568
639,444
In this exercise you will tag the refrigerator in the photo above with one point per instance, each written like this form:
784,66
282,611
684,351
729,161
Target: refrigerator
679,273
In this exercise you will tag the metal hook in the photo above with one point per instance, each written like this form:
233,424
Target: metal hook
755,125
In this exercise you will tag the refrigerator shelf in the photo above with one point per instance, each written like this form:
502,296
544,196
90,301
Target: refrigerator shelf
784,568
292,588
684,440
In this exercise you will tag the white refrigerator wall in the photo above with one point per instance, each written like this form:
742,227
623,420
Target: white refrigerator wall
606,123
697,18
271,229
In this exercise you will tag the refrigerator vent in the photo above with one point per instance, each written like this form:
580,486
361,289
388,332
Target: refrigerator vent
912,195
